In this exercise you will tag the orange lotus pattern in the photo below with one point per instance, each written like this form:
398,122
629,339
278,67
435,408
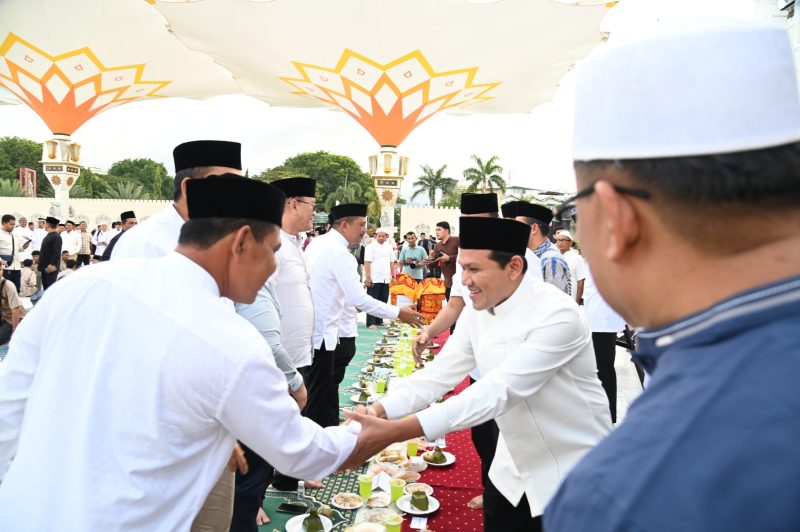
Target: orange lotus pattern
67,89
391,99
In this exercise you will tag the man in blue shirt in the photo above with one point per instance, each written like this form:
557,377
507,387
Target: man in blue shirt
687,144
412,257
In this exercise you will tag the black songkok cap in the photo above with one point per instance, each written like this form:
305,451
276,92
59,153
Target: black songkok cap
127,214
493,234
42,219
234,196
70,222
512,209
472,203
50,220
349,209
297,186
207,153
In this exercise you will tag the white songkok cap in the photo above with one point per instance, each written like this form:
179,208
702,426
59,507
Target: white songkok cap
699,87
564,233
381,230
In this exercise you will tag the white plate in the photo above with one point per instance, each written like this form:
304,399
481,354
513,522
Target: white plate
364,370
379,499
370,399
450,459
409,488
295,524
342,506
404,503
359,388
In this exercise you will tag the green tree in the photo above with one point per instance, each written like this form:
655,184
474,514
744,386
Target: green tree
432,180
451,200
127,190
350,193
89,185
151,175
16,153
279,172
485,177
10,189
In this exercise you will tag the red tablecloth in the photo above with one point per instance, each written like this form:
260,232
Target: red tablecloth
456,484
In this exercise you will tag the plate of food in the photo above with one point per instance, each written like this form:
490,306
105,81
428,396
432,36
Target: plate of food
418,503
391,457
438,458
379,499
346,501
408,476
361,385
368,369
389,469
414,486
363,398
295,524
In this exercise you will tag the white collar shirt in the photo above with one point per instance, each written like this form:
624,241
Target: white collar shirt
71,241
139,418
10,244
25,235
155,237
101,239
334,283
291,283
577,268
38,236
380,257
539,383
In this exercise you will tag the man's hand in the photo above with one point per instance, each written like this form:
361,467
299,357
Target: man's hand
367,282
421,344
50,268
410,315
443,258
300,395
238,460
376,434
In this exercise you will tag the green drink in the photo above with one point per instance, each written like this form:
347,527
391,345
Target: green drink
396,486
380,385
412,446
365,486
392,523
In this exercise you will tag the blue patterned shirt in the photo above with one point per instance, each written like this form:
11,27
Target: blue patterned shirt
555,269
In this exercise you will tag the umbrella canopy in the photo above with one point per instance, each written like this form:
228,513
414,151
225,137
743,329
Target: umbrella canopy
391,64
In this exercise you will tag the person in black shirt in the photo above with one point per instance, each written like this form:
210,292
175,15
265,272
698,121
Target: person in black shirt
50,253
128,222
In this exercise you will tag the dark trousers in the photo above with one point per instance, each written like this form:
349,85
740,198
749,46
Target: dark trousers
48,279
484,437
605,348
322,392
499,515
250,490
83,260
447,297
14,276
5,332
379,291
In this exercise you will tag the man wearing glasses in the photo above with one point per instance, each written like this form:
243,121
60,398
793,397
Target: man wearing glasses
682,139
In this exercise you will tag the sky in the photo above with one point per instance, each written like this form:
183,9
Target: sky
533,149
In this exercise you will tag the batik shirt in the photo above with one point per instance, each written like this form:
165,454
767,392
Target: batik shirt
555,269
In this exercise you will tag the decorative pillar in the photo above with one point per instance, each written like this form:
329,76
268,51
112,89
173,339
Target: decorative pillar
388,170
61,162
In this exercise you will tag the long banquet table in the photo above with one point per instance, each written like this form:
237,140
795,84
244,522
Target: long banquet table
454,485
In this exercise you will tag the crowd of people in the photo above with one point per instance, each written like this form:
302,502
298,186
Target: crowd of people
221,330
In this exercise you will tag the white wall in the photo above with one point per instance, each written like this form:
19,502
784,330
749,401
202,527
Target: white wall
90,210
424,219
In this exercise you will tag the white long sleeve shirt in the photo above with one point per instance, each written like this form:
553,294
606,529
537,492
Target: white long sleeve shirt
334,282
71,241
101,240
38,236
292,285
155,237
538,381
128,426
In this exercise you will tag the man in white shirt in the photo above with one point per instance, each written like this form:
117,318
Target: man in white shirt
378,271
101,238
158,235
22,232
334,284
175,380
575,261
11,247
71,240
38,235
538,377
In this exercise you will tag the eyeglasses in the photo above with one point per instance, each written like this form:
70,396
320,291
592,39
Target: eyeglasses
313,205
569,203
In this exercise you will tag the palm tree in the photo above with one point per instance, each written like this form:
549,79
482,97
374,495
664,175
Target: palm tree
349,193
126,191
431,181
485,177
10,189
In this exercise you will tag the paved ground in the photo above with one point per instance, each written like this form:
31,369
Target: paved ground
628,387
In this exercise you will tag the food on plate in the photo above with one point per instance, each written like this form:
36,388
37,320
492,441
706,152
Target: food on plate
389,469
429,357
363,397
391,457
326,510
378,500
435,457
347,500
363,383
370,368
418,486
408,476
376,359
313,523
380,351
419,500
